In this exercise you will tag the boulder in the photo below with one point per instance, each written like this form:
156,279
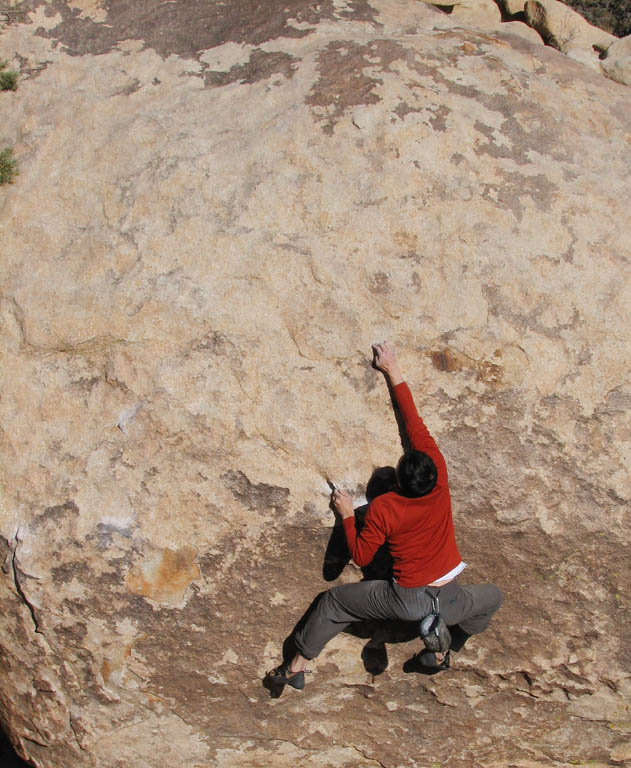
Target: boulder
564,28
219,208
616,63
481,13
522,30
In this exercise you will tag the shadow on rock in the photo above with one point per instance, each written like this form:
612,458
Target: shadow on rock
8,756
336,557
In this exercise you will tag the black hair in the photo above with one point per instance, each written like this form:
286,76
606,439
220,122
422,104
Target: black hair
417,474
383,480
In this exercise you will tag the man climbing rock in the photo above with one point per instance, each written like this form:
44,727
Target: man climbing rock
415,520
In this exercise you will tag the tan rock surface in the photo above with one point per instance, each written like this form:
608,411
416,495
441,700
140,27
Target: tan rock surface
216,214
617,62
522,29
484,13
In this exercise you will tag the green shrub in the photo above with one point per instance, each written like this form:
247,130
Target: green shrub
621,12
611,15
8,166
8,79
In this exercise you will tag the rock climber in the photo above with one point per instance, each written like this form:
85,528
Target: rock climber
415,521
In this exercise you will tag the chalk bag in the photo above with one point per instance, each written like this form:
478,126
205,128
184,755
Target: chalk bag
434,631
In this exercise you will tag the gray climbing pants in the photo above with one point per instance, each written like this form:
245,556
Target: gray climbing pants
471,607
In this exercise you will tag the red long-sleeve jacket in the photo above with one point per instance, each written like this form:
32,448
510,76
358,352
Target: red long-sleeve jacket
420,532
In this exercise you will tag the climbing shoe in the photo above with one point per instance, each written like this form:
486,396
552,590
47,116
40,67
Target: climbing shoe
426,663
282,676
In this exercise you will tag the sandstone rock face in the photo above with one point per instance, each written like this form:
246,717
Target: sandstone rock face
219,208
617,62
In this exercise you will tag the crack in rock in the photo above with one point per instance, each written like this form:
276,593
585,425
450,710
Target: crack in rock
366,757
19,589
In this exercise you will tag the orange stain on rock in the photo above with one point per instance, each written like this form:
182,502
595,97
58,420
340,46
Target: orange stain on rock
164,575
446,360
450,361
106,670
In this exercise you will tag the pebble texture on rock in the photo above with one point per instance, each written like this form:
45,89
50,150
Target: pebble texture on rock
219,208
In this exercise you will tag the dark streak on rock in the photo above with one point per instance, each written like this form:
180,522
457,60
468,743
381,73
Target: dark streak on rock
617,401
365,381
403,109
6,555
28,71
85,384
71,636
439,113
105,534
439,120
260,66
187,28
256,496
343,82
349,77
538,132
527,125
568,256
56,514
490,148
530,320
68,571
517,185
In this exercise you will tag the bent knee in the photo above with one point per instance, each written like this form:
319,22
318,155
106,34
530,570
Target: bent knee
495,597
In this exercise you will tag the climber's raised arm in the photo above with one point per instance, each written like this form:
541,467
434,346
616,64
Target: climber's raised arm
420,438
